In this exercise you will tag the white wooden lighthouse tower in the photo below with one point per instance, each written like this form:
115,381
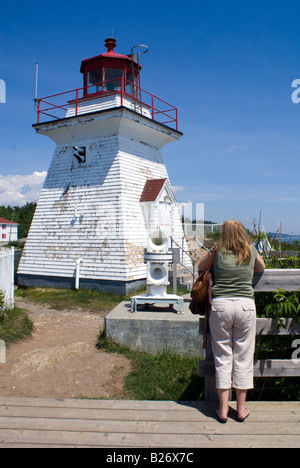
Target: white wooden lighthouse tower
92,219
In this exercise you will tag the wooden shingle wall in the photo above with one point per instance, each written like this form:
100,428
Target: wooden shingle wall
92,211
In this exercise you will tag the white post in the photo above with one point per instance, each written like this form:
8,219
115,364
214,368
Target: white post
12,277
78,261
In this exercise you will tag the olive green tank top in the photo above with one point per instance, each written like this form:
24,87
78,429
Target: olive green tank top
230,279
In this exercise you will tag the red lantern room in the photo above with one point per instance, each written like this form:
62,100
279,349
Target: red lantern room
110,72
110,80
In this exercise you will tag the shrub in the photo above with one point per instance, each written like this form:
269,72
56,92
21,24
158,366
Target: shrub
14,325
284,305
1,303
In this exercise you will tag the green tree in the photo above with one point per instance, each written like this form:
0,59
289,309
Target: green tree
19,214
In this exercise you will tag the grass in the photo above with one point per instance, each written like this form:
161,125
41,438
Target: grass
14,325
87,299
162,376
60,299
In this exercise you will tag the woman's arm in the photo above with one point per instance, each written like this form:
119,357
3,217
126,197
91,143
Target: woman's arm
259,265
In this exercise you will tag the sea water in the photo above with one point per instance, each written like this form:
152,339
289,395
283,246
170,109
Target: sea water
285,237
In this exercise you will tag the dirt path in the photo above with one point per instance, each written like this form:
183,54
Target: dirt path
60,359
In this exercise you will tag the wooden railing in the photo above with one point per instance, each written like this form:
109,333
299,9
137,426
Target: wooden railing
270,280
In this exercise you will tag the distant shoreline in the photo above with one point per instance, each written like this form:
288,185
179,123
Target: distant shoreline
284,237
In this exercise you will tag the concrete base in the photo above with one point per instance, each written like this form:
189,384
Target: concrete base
155,331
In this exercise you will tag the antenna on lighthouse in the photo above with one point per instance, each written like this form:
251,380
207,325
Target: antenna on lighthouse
36,81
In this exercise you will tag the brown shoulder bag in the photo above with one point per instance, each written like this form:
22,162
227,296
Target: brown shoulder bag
200,290
202,296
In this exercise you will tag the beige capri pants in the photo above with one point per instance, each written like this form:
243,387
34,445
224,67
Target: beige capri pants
232,325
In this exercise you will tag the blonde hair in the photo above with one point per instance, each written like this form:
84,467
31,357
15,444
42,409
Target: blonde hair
235,238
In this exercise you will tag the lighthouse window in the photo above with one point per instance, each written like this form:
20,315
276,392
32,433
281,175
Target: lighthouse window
94,78
130,83
113,78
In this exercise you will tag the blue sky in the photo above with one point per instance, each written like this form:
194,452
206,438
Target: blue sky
227,66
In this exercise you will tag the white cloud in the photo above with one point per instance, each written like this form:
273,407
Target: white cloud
234,148
177,188
229,149
17,190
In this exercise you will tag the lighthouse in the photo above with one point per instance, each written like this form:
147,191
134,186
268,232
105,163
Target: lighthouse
107,186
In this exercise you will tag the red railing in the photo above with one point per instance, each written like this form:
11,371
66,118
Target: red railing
57,105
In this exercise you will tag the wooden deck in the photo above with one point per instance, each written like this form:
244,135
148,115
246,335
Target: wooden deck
54,423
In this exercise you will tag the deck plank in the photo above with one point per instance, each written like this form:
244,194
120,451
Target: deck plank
32,422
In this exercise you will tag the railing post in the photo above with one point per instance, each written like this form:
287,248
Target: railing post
152,103
38,111
176,119
122,91
76,101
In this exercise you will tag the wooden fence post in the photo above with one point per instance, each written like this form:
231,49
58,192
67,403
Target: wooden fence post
211,393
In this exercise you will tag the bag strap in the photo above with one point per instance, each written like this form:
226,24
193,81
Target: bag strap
211,259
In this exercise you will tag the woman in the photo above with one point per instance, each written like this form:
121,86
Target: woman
232,319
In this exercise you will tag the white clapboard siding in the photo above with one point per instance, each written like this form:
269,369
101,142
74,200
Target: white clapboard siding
92,211
88,105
